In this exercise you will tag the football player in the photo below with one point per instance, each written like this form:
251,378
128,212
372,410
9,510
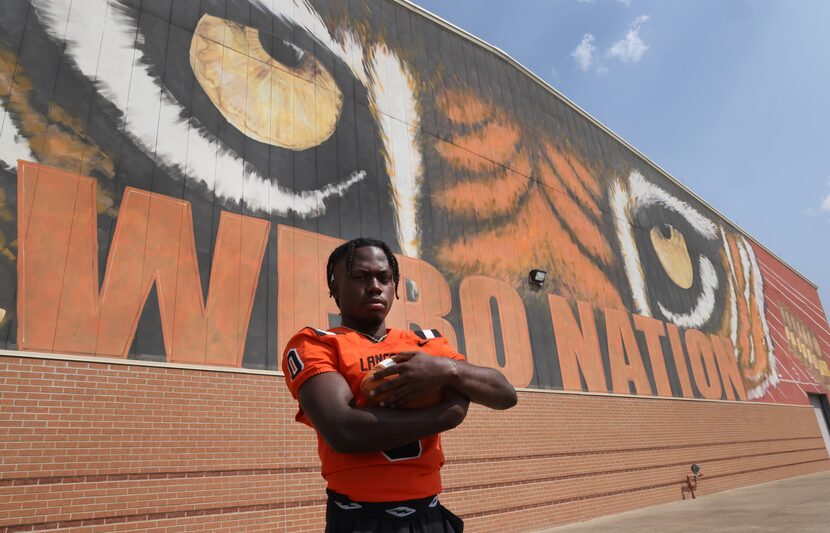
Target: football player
382,463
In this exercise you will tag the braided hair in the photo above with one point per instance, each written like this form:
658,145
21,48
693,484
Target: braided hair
348,249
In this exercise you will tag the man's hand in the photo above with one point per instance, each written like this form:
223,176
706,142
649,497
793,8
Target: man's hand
418,374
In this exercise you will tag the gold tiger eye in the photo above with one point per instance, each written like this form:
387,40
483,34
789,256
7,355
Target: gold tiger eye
294,107
674,256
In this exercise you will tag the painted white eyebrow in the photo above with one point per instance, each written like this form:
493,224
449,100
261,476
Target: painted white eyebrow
391,90
153,117
645,194
628,249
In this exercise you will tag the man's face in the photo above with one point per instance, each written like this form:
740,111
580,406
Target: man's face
366,293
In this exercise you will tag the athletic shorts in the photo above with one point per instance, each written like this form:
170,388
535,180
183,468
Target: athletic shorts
425,515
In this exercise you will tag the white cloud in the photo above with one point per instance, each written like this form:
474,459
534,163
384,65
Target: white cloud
585,52
630,48
626,3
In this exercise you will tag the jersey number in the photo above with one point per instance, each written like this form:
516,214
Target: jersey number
295,364
402,453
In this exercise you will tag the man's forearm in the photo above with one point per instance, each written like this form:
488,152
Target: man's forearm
327,401
373,429
484,386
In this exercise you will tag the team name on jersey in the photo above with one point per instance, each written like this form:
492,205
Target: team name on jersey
368,363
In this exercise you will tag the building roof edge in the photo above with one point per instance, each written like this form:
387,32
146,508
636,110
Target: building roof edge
504,55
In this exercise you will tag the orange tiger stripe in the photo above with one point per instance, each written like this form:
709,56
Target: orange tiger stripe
578,222
461,157
588,180
463,107
726,318
521,165
757,333
573,183
494,196
57,138
744,348
495,141
464,159
534,238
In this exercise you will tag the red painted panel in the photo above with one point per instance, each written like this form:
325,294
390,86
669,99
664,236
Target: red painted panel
799,330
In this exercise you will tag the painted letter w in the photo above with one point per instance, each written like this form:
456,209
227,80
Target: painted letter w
59,305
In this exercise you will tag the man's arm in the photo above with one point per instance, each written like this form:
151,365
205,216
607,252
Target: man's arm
328,402
419,373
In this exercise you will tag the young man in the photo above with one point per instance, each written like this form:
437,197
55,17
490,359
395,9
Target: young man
381,463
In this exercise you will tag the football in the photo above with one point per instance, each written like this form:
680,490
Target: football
368,384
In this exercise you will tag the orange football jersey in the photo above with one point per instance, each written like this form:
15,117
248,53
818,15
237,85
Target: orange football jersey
405,473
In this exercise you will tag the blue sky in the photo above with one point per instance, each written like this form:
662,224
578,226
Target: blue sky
731,97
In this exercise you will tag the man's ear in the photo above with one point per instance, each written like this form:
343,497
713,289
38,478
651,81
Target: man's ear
333,293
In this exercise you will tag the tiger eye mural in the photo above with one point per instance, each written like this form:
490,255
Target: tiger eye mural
173,174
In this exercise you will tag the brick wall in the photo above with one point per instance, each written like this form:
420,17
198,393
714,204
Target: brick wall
96,446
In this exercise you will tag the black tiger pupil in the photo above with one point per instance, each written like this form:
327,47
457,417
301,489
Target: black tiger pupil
665,230
283,51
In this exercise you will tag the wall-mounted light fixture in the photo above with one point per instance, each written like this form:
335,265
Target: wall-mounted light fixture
537,277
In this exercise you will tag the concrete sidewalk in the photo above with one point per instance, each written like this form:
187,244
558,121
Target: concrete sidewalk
796,504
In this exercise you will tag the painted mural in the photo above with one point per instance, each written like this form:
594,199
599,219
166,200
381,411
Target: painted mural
174,175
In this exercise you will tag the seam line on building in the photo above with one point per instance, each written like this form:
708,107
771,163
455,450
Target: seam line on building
253,371
103,360
102,478
623,450
583,475
146,517
606,494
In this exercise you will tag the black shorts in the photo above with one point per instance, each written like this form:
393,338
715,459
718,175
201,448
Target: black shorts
426,515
